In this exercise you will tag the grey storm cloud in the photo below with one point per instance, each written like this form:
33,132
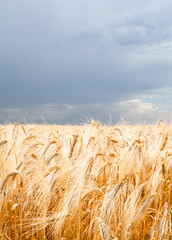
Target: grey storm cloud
73,53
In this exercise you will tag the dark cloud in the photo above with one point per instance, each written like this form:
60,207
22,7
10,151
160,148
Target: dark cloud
82,53
145,28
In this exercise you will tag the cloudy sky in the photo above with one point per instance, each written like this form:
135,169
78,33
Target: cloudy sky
67,61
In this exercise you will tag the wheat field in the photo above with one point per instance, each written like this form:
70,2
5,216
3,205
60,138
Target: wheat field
85,182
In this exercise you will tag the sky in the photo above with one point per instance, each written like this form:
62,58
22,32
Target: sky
70,61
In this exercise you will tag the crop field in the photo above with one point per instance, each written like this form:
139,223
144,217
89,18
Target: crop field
85,182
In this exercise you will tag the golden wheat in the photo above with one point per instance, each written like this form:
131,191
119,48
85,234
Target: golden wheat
86,182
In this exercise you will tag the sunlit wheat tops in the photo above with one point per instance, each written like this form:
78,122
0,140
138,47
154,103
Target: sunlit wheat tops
85,182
